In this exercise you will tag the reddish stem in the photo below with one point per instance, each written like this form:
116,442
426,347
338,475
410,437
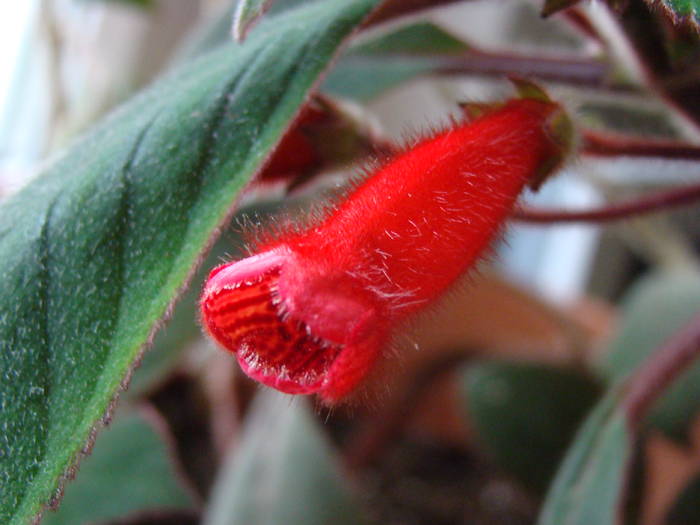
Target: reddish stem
660,370
554,6
391,9
609,146
582,23
570,70
646,204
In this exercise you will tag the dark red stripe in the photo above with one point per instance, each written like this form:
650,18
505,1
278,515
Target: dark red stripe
252,319
242,303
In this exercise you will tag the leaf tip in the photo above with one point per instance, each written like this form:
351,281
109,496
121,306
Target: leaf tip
246,16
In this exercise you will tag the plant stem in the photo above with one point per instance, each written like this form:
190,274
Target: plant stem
582,23
609,146
623,210
391,9
553,6
580,71
660,370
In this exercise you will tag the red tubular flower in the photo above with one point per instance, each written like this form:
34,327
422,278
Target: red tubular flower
326,134
312,310
296,153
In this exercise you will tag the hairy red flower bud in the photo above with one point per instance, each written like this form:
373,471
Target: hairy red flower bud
312,310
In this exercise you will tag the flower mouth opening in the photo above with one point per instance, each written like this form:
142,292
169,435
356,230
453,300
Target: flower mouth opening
271,347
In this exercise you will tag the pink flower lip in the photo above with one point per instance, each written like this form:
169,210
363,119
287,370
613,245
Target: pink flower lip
242,313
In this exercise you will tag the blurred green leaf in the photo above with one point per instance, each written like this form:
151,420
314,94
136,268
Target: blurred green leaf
283,471
363,78
600,479
129,471
417,38
526,415
95,248
648,119
366,70
589,487
654,309
279,6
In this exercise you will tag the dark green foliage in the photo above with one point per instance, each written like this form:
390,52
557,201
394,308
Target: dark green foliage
96,247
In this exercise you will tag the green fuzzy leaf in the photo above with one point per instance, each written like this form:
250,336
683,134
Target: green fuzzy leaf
94,250
654,309
283,471
184,327
589,486
526,415
129,471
